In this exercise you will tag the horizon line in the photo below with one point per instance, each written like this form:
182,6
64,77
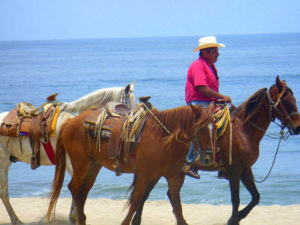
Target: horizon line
142,37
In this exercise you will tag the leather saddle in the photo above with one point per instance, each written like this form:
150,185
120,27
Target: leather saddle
111,126
121,126
36,123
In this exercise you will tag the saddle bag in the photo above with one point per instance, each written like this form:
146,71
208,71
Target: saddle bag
9,126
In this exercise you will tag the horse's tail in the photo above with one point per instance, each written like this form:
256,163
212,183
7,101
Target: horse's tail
131,190
60,159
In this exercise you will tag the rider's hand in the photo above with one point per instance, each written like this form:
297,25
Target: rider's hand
226,99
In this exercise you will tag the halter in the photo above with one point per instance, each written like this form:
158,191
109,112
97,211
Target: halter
196,139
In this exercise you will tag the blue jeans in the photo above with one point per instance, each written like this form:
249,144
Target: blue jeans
190,155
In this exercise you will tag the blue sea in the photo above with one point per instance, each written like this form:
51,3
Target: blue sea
32,70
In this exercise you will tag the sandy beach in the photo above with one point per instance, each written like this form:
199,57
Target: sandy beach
110,212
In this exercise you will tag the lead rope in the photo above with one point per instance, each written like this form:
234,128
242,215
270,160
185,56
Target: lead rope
267,176
157,120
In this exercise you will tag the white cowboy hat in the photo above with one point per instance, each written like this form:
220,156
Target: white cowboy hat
208,42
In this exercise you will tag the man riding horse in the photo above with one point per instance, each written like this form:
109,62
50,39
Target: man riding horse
202,86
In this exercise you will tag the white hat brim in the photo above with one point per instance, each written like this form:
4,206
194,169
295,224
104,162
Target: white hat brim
209,45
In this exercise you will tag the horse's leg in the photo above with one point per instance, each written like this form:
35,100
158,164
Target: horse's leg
137,217
73,210
4,166
140,185
234,182
168,194
82,181
247,179
175,183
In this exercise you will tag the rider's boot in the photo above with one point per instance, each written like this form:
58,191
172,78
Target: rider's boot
191,171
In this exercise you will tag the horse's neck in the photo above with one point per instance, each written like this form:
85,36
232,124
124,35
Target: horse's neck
259,122
98,98
179,120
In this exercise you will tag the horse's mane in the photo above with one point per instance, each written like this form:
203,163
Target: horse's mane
179,121
247,109
97,98
177,118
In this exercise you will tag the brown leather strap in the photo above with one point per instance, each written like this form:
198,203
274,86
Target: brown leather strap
114,141
34,139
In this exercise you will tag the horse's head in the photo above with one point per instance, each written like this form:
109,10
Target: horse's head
204,127
284,107
129,98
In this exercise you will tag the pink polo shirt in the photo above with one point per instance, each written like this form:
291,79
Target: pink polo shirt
200,73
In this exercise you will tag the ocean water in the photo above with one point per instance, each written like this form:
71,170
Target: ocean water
32,70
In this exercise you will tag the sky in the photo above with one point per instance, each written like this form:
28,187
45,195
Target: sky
85,19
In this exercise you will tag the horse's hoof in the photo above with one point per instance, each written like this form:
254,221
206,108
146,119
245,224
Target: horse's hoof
17,222
72,220
136,221
232,221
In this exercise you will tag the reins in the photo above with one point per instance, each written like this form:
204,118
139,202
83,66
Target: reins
268,174
160,123
273,106
163,126
157,120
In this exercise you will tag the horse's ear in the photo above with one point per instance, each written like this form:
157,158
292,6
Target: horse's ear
211,106
130,87
279,84
196,110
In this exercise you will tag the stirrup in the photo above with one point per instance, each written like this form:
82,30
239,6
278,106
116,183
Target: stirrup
117,168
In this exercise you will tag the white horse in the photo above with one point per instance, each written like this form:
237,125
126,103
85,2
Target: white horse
19,148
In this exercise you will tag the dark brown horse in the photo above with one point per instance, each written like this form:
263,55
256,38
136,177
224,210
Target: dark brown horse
249,124
161,152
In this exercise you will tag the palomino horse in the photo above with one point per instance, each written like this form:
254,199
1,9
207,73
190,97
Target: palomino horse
19,147
250,122
161,152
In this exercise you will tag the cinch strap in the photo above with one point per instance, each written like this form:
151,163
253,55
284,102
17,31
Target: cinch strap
49,151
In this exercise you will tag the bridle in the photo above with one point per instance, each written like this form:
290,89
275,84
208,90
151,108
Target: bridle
280,109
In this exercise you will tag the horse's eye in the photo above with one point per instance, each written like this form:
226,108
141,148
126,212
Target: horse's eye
290,107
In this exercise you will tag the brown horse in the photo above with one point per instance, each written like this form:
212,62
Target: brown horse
161,152
249,124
